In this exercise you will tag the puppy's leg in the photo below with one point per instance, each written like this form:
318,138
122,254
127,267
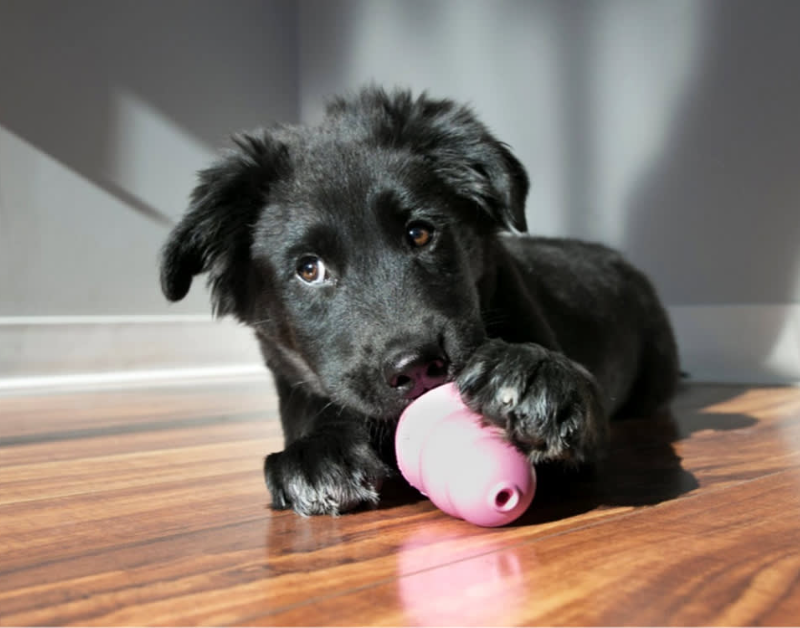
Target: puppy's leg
659,368
329,471
330,464
549,406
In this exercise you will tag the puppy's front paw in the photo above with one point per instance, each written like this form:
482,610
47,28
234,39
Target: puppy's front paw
548,405
319,475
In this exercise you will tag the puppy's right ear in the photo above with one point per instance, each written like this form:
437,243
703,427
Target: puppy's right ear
214,234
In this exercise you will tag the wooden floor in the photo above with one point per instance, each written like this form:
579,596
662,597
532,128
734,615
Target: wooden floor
148,507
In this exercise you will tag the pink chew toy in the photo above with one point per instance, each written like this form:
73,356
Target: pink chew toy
466,469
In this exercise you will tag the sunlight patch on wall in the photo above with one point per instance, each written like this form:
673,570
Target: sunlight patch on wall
68,246
151,156
644,60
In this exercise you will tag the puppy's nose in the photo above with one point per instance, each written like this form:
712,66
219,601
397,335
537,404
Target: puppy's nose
412,373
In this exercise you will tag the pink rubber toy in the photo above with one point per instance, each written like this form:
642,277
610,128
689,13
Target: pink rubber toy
466,469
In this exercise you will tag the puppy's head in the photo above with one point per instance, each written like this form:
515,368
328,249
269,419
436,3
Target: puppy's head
355,249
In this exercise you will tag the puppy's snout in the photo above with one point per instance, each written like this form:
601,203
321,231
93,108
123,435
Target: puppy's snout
411,373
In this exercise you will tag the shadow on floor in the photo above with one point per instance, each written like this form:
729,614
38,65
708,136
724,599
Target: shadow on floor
641,469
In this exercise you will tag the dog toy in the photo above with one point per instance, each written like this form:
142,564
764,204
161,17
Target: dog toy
464,467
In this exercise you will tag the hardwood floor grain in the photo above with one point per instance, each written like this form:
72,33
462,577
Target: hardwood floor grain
717,558
148,507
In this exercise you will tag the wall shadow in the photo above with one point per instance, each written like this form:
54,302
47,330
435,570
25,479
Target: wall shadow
208,68
714,219
107,110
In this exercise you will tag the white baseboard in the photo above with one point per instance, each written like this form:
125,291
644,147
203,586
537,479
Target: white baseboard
117,380
34,349
751,344
718,343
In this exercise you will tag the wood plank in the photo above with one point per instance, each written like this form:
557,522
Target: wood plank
166,523
729,556
28,414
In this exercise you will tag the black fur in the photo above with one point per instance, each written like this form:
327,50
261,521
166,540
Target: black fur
546,337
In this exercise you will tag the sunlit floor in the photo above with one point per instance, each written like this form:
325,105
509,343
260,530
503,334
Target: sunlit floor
148,507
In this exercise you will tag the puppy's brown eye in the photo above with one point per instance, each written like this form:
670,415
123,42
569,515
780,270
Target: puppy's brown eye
419,234
311,269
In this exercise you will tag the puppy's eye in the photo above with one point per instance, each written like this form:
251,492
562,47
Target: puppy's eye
419,234
311,269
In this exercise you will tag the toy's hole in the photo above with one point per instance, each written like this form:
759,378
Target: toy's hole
505,499
501,499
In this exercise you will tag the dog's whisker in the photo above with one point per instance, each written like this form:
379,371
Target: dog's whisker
324,408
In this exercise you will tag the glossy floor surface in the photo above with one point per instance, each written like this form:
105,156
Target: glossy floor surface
148,507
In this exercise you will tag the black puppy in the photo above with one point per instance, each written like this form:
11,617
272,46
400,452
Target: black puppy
378,255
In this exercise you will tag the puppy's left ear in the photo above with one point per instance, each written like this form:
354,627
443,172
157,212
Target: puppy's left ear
458,147
486,172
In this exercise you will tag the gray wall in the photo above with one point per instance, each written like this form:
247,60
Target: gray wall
668,128
106,110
